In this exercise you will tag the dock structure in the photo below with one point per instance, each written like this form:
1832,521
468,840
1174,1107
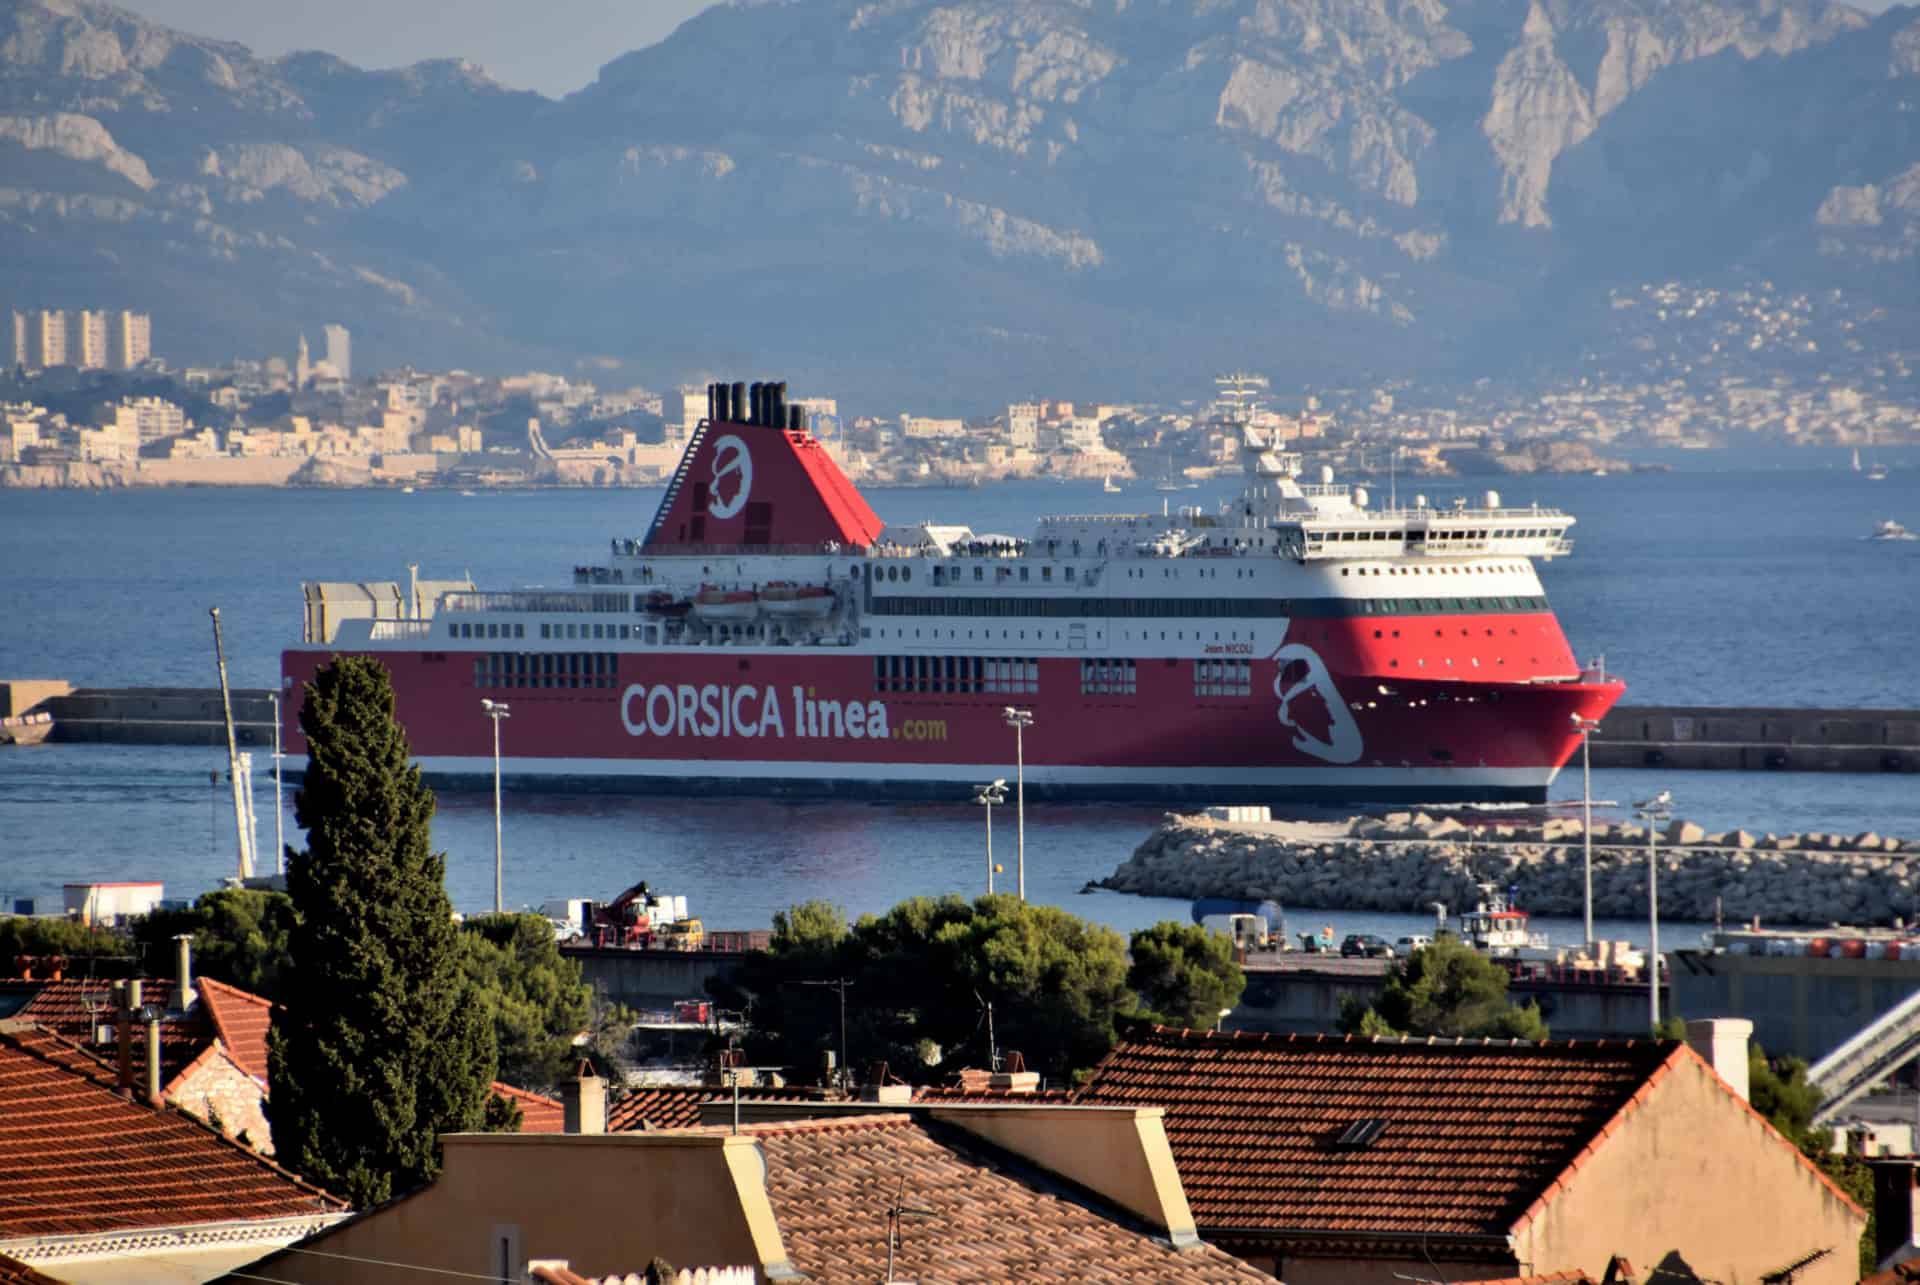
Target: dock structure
1757,739
146,715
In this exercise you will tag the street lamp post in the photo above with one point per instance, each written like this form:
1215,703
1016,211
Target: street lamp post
1020,720
987,796
1655,811
1587,727
279,830
496,710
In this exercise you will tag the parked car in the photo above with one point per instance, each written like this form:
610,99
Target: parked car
1407,945
1366,946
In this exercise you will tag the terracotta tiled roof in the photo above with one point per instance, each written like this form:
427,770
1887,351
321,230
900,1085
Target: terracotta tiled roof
1473,1132
15,1272
538,1112
80,1158
72,1007
660,1106
999,1097
992,1218
240,1018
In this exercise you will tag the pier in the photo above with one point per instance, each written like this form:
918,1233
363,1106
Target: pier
143,715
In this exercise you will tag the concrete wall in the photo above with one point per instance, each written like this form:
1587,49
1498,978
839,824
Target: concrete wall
18,695
164,716
607,1204
1798,1005
1757,739
1692,1179
651,979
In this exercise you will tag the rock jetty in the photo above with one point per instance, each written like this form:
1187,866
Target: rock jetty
1405,861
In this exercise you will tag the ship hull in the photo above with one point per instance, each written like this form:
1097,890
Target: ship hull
768,723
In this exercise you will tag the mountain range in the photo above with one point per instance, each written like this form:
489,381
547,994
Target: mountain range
972,200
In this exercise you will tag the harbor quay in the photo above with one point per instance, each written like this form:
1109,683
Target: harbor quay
1409,861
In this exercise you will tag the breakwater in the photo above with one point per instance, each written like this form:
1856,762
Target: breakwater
1757,739
1406,861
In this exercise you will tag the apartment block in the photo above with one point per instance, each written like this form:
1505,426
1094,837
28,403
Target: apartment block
90,334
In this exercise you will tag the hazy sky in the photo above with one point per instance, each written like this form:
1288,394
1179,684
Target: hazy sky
554,46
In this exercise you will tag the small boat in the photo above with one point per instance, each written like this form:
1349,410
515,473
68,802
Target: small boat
1876,473
1499,929
406,490
1168,486
1108,485
1891,530
796,601
725,606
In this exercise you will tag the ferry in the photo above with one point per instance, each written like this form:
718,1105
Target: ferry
768,633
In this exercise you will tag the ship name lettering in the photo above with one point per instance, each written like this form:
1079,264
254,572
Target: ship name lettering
715,710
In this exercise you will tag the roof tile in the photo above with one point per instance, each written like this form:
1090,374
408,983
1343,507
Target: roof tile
1475,1132
241,1019
988,1218
81,1158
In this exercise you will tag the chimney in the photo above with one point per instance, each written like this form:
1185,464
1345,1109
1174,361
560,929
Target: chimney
1721,1043
153,1057
1893,1206
183,971
126,998
1016,1078
584,1101
878,1090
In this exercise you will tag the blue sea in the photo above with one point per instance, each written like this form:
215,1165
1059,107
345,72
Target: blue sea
1732,579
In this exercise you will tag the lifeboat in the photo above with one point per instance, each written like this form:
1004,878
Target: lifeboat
725,606
797,602
662,603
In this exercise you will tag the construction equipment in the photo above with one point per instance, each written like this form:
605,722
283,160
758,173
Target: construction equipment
636,919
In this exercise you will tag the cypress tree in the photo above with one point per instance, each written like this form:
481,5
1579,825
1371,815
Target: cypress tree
380,1047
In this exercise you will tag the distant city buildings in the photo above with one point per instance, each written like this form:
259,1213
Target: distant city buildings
339,351
88,339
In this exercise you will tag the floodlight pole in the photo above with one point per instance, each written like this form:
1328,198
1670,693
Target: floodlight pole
1020,720
496,710
1653,812
279,810
1587,727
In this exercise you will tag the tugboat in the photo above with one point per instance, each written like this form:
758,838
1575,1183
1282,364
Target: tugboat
1499,929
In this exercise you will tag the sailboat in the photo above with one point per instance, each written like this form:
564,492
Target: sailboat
1856,459
1109,486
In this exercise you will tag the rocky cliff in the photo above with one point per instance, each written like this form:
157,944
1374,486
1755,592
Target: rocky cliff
970,198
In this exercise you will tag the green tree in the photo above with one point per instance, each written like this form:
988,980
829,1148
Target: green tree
1184,975
382,1045
533,993
20,935
921,979
241,936
1445,989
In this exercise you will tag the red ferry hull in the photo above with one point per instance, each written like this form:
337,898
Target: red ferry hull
784,723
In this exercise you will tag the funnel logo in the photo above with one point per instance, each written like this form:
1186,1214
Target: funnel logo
732,477
1312,706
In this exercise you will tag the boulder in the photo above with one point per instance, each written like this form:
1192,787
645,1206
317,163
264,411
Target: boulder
1685,833
1369,828
1866,841
1446,828
1738,839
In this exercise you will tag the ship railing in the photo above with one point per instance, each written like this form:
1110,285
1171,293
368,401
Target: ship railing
401,630
827,548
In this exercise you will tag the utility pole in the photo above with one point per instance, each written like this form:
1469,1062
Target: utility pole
1587,727
496,710
1020,720
233,754
279,817
987,796
840,984
1655,812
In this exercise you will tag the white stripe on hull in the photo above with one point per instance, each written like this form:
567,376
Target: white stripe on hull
1329,777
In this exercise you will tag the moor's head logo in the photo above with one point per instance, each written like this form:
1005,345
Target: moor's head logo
732,477
1312,706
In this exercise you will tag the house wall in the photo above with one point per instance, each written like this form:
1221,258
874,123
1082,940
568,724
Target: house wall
1376,1271
1693,1172
219,1092
607,1204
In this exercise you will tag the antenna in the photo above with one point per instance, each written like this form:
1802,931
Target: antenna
895,1212
840,984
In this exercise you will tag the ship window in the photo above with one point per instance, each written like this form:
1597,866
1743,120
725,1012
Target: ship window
519,631
979,573
906,573
1046,573
453,630
1108,677
1222,678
